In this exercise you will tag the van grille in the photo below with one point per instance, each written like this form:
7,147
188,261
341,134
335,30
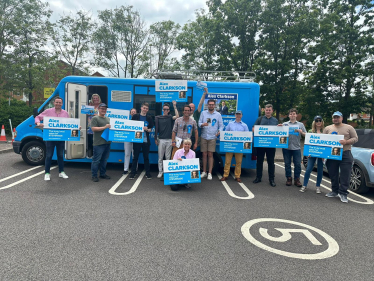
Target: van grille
121,96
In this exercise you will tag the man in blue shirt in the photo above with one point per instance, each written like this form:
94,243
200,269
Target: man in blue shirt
240,126
211,124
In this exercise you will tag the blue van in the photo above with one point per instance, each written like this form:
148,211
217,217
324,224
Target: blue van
125,94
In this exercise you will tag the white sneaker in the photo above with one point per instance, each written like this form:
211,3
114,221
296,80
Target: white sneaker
302,189
203,175
47,177
63,175
318,190
160,175
209,176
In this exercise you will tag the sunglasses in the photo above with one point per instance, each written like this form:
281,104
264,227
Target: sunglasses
318,120
165,109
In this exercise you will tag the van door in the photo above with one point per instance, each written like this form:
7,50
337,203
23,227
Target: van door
76,95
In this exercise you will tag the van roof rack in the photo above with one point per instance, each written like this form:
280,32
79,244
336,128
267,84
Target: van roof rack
205,75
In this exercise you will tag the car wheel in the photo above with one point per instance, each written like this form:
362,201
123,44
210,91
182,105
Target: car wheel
33,153
357,182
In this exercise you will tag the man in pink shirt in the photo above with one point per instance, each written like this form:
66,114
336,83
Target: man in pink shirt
57,111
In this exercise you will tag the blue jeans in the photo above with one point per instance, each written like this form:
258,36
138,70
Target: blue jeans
296,155
100,157
50,148
311,161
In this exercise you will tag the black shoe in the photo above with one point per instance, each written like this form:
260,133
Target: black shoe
187,185
105,177
257,180
174,187
272,183
148,177
125,172
95,179
131,176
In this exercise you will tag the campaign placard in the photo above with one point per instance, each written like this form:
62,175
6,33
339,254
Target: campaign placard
271,136
171,90
118,113
180,172
122,130
236,142
61,129
226,103
88,109
323,146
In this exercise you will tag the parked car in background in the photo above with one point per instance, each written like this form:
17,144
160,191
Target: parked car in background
362,175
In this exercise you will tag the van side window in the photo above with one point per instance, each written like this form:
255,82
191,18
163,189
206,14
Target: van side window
50,104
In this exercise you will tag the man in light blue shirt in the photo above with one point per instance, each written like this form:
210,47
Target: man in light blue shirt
240,126
211,124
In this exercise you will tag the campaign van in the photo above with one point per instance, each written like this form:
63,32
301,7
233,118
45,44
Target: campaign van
181,172
271,136
236,142
122,130
323,146
61,129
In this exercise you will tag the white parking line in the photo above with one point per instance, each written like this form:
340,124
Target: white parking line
133,188
231,193
368,201
25,179
7,178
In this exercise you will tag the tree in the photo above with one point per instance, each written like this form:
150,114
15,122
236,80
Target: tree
71,39
341,52
163,41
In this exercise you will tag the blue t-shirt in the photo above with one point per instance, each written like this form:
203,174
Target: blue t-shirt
144,119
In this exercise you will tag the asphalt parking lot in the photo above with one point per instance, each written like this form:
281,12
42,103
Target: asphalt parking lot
123,229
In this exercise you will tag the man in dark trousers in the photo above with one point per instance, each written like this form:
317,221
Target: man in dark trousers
224,110
145,145
268,119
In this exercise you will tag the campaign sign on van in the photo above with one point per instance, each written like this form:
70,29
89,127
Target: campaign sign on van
118,113
236,142
124,131
169,90
88,109
323,146
179,172
61,129
226,104
271,136
171,96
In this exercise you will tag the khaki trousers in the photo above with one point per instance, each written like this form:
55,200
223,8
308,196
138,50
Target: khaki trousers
238,166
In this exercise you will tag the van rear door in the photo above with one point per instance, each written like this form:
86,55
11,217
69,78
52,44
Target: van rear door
76,95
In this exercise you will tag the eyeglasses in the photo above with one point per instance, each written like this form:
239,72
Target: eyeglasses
318,120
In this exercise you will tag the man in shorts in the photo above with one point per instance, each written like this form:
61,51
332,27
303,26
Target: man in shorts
211,124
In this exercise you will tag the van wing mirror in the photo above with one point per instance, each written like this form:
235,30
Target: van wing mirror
35,112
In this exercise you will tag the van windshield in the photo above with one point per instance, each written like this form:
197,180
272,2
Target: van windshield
50,104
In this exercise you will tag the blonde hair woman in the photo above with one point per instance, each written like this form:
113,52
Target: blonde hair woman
317,128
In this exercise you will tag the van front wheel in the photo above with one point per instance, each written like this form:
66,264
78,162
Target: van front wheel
33,153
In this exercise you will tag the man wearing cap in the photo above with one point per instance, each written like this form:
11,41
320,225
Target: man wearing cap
101,147
235,126
340,184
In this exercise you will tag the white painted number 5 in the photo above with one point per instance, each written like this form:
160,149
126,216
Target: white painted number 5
286,235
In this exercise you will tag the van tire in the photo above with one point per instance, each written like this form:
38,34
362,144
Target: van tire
33,153
357,182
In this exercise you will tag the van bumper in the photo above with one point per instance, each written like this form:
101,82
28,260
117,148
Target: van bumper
17,147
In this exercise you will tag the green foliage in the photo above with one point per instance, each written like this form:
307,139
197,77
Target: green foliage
18,111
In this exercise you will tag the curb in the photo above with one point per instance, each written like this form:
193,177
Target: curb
6,150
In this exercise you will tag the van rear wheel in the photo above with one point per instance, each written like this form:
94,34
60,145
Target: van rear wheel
33,153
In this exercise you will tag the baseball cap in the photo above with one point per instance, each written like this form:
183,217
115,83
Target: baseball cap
318,117
337,113
102,105
238,112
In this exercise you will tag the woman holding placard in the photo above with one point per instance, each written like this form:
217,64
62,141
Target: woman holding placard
317,128
184,153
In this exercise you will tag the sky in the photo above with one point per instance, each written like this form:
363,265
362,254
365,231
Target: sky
180,11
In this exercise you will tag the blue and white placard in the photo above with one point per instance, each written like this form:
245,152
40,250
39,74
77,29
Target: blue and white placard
88,109
124,131
323,146
180,172
118,113
271,136
61,129
236,142
171,90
